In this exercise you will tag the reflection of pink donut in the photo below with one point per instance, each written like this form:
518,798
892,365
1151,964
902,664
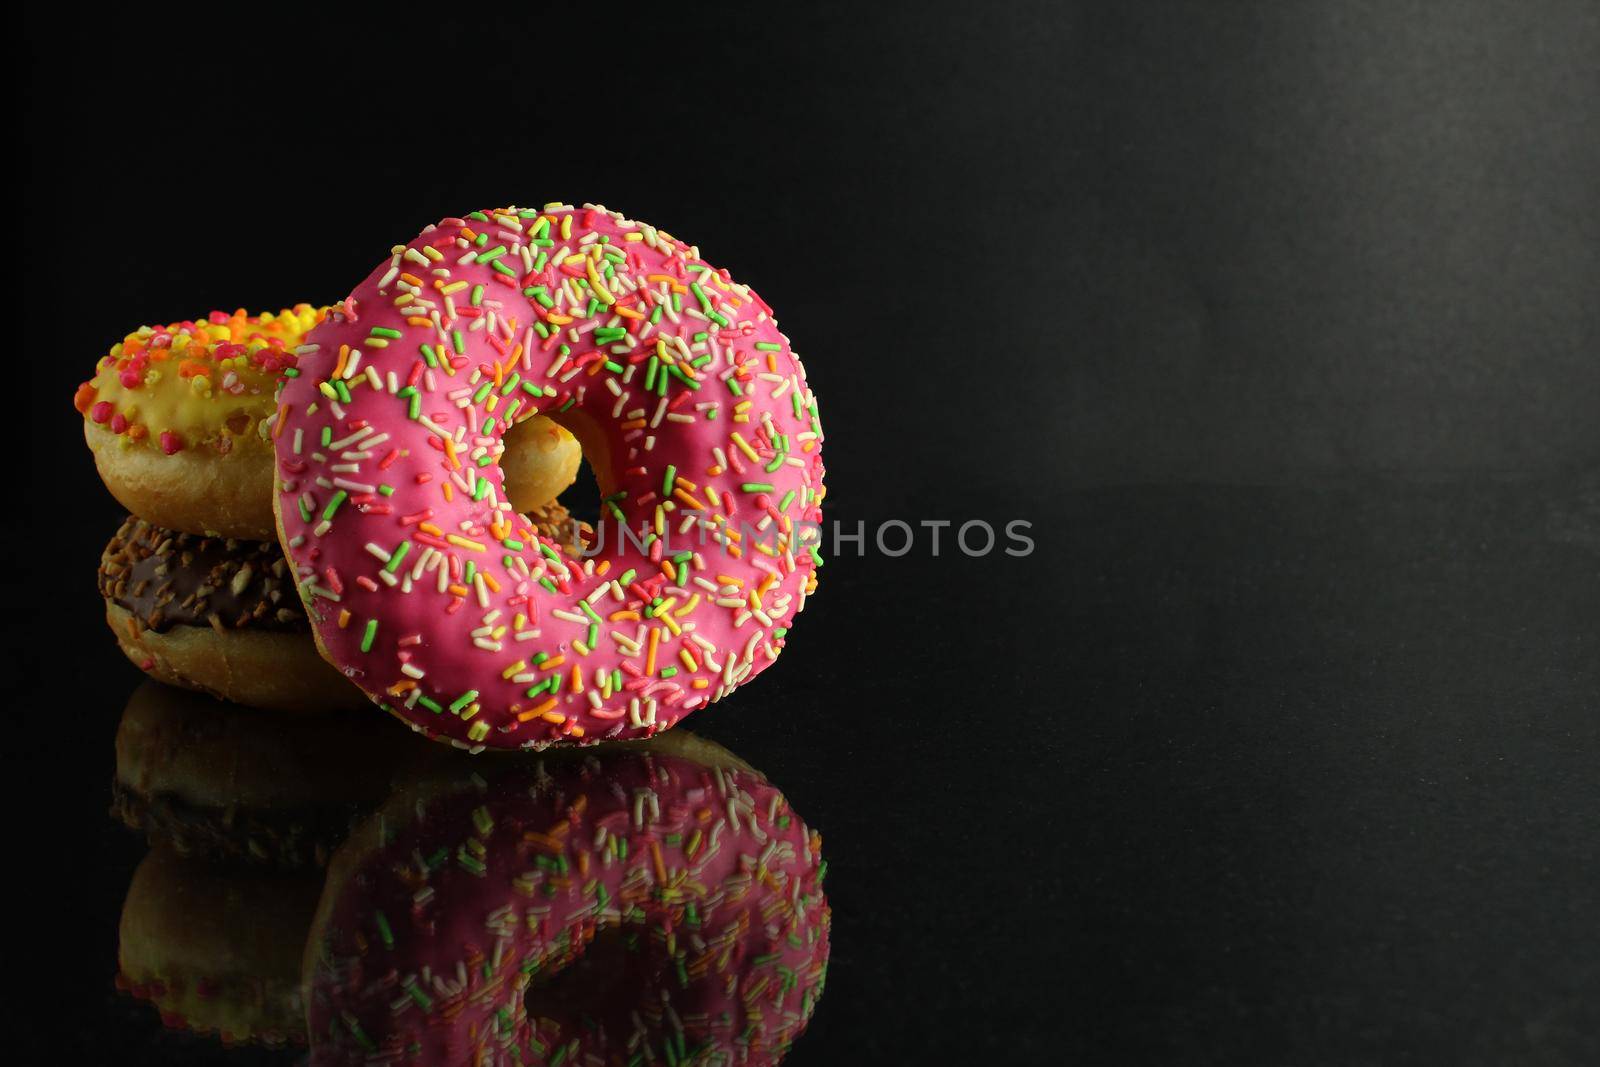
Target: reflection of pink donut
631,906
432,595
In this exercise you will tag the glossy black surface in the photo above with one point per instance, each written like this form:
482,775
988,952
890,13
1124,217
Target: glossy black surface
1278,324
1297,775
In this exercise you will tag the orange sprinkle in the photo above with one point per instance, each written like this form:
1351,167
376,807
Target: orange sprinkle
534,713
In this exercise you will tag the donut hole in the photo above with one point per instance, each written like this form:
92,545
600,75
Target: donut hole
592,485
604,985
582,498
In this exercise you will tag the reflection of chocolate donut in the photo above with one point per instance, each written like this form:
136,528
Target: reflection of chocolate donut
226,781
657,903
217,950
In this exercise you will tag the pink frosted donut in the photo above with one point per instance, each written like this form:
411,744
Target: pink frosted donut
436,598
636,905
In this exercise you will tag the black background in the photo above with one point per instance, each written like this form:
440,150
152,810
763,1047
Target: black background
1280,324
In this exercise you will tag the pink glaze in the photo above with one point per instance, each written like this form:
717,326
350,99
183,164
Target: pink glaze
693,411
661,910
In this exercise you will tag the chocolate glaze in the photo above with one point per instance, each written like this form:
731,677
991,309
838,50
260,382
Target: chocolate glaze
165,578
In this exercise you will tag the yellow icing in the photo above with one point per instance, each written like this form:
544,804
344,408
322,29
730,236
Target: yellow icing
201,384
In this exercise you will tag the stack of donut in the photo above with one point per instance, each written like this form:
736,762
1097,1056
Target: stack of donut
196,588
392,460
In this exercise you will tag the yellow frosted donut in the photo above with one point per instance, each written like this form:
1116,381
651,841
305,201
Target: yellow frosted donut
180,417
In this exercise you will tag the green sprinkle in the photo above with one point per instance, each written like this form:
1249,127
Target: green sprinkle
367,636
463,700
383,929
768,346
339,497
399,554
756,487
385,331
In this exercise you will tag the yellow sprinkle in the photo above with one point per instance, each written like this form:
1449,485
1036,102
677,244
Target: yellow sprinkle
743,446
598,284
463,542
515,668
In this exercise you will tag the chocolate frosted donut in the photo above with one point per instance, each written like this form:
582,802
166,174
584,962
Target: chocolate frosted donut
221,614
164,578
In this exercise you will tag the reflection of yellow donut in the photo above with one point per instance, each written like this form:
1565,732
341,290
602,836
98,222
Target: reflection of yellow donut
217,950
180,418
